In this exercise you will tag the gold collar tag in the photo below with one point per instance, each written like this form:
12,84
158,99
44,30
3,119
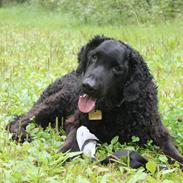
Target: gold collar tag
95,115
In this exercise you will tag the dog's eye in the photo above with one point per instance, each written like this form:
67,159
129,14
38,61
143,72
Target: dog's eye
117,69
93,58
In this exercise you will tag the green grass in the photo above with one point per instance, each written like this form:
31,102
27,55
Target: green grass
36,48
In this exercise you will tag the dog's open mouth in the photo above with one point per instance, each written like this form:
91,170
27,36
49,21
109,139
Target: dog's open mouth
86,103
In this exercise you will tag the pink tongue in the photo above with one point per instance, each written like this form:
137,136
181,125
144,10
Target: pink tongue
86,104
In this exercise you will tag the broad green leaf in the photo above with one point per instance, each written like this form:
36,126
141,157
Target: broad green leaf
151,166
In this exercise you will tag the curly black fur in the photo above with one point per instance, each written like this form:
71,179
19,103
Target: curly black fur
129,104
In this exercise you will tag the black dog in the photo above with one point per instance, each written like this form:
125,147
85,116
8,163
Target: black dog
111,92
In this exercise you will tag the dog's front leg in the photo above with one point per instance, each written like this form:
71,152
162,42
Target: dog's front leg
71,126
44,109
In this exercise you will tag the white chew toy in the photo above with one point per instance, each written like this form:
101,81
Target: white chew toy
86,141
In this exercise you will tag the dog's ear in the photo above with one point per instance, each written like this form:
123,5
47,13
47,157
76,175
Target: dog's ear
83,54
138,76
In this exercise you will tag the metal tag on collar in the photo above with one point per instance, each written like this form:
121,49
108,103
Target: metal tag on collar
95,115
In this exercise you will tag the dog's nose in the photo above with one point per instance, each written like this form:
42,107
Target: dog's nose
89,85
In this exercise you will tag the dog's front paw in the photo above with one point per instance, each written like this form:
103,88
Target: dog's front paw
19,132
21,136
66,147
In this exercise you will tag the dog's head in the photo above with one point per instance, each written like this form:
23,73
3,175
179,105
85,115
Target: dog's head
110,68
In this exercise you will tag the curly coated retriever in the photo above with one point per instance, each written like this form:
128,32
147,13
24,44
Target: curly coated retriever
111,92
